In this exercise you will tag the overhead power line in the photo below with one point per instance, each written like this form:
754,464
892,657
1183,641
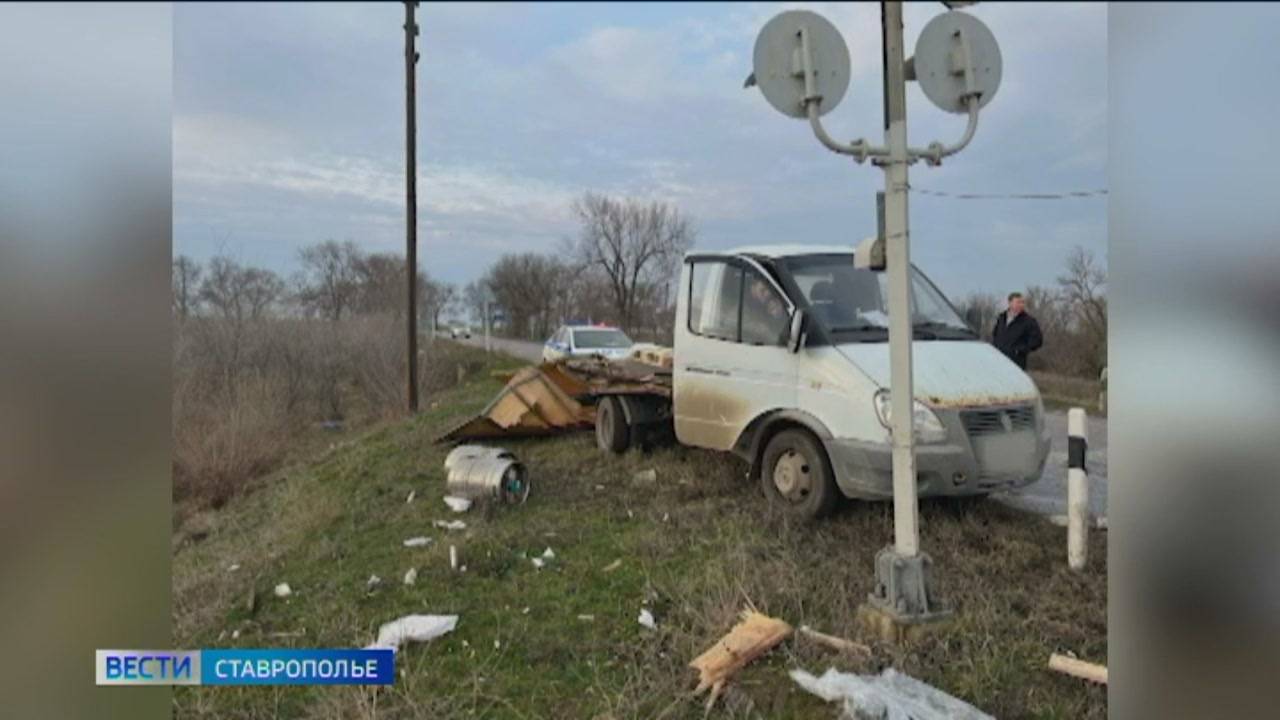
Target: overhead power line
1069,195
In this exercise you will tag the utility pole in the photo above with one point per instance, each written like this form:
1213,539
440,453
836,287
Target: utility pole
411,194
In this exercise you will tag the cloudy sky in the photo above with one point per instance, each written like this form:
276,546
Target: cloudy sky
289,129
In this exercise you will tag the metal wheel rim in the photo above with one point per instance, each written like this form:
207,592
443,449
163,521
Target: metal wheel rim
793,475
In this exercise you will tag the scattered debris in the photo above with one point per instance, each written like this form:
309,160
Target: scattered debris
233,567
887,696
831,641
587,618
332,425
666,517
1078,668
457,504
251,602
651,354
453,557
613,565
417,541
374,581
497,644
415,628
538,562
548,554
235,634
412,494
755,635
451,524
645,477
525,611
411,576
599,486
283,590
646,619
284,635
476,471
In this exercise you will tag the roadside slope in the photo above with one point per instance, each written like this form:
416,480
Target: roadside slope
694,547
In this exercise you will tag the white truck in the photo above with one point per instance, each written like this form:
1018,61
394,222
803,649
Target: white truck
781,356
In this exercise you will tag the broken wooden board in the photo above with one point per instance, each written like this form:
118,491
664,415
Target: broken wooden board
656,355
1078,668
755,635
535,401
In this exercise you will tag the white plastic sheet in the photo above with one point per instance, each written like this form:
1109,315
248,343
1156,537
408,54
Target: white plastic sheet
887,696
413,628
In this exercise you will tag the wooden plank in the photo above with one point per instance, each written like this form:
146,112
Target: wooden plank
1078,668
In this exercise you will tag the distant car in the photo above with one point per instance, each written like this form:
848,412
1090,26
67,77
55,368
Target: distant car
582,341
460,331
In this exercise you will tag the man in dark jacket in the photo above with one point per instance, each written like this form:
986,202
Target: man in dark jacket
1016,334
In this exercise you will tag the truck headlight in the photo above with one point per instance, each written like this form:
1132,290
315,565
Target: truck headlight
928,428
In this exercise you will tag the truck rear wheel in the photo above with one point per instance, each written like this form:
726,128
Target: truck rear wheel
796,475
612,432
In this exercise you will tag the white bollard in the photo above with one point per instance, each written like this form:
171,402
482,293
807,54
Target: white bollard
1077,490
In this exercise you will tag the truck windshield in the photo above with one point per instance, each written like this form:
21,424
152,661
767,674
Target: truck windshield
609,339
847,301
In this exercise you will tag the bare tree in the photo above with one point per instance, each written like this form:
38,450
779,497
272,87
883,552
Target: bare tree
526,286
1083,292
238,293
1082,286
473,299
330,278
979,310
186,287
633,242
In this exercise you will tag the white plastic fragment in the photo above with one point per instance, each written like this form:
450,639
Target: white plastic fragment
417,541
646,619
457,504
451,524
411,576
453,557
283,590
412,495
374,581
415,628
887,696
538,562
548,554
233,567
497,645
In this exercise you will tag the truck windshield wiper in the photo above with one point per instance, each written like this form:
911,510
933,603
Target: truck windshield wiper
934,327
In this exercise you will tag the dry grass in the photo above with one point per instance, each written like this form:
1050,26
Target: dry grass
695,548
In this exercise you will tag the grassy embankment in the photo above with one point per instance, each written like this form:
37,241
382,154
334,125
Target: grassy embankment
694,546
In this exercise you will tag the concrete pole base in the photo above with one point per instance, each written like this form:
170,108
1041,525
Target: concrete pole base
903,604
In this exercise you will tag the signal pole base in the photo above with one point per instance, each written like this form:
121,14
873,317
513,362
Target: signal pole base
903,605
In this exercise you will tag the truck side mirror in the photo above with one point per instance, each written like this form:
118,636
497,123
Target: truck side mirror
796,333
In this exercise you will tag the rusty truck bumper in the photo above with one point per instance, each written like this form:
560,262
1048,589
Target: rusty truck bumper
963,465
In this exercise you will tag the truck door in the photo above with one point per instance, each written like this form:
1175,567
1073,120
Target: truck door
731,358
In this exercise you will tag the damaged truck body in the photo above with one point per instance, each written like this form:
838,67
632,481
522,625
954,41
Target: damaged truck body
781,357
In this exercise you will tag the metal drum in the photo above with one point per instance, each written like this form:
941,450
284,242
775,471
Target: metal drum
475,471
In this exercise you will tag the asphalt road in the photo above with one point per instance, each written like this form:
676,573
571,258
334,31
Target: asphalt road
1046,496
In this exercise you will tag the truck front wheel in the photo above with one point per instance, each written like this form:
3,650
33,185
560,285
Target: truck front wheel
612,432
796,475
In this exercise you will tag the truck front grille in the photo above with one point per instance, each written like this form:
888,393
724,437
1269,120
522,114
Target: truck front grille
998,420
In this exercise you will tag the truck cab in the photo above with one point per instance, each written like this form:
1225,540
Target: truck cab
782,357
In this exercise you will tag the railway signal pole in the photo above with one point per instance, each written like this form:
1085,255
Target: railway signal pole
801,65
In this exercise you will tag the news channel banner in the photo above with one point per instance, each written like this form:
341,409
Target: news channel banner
246,667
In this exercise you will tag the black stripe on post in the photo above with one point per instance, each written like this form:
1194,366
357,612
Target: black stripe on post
1076,447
